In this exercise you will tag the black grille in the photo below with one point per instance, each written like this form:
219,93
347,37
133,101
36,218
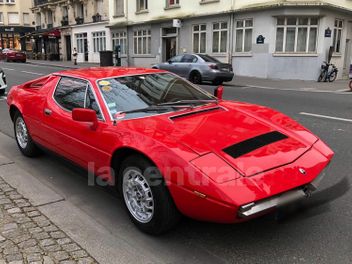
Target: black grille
252,144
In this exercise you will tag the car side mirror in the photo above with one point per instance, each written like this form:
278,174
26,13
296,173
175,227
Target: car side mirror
86,116
169,61
219,92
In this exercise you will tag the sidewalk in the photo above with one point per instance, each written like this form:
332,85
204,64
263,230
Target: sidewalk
337,86
62,64
28,236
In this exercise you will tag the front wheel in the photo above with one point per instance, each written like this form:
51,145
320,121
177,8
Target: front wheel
23,138
333,76
147,199
195,77
2,92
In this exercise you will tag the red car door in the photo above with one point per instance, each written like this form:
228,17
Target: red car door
75,140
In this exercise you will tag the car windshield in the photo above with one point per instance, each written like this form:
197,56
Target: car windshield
207,58
149,94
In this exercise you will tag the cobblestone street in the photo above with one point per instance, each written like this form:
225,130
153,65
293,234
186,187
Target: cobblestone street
27,236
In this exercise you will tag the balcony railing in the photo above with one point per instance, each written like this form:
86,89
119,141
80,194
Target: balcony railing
79,20
40,2
64,21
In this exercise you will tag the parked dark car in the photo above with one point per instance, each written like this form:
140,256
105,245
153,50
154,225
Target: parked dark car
198,68
13,55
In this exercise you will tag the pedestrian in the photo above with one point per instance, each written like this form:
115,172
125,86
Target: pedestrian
75,54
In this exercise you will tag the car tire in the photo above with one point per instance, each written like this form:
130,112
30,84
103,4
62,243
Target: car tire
333,77
23,138
195,77
146,197
2,92
218,82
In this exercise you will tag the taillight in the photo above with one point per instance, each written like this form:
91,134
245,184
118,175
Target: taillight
213,67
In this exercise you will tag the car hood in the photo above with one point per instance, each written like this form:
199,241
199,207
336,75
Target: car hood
236,132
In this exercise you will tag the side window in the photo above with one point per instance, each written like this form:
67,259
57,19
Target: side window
176,59
70,93
91,103
189,59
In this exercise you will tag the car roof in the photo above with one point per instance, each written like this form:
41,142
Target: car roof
96,73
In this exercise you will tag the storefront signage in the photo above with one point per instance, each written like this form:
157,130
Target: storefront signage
10,29
260,39
328,33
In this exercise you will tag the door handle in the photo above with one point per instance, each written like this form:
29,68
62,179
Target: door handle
47,112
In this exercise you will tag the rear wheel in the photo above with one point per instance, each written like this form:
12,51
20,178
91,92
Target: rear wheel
23,138
195,77
218,82
147,199
321,77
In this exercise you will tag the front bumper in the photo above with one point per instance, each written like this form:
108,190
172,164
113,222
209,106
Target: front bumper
257,208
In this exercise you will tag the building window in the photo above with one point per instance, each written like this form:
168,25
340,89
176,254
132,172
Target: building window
220,37
199,38
338,35
99,41
26,20
120,38
297,34
81,40
80,10
172,3
9,1
119,8
100,7
244,32
1,18
142,5
142,42
14,18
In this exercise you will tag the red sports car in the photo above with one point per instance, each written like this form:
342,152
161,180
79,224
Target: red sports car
172,148
13,55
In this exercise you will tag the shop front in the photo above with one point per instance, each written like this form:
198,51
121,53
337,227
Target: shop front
15,38
47,45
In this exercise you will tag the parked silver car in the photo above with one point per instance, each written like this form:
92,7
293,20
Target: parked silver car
198,68
3,84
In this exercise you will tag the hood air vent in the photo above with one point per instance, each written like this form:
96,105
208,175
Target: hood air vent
252,144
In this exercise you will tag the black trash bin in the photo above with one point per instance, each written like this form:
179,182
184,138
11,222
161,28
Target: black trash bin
106,58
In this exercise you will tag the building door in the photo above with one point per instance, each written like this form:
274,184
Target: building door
68,47
169,43
85,43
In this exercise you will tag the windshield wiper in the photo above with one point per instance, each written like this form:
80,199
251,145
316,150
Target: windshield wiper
188,102
155,108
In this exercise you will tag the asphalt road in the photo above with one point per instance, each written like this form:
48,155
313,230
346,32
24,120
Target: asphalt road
321,232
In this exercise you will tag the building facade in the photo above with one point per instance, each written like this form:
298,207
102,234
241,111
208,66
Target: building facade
63,25
16,21
277,39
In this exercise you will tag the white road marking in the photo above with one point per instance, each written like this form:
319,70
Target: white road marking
305,90
3,98
327,117
9,69
33,73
